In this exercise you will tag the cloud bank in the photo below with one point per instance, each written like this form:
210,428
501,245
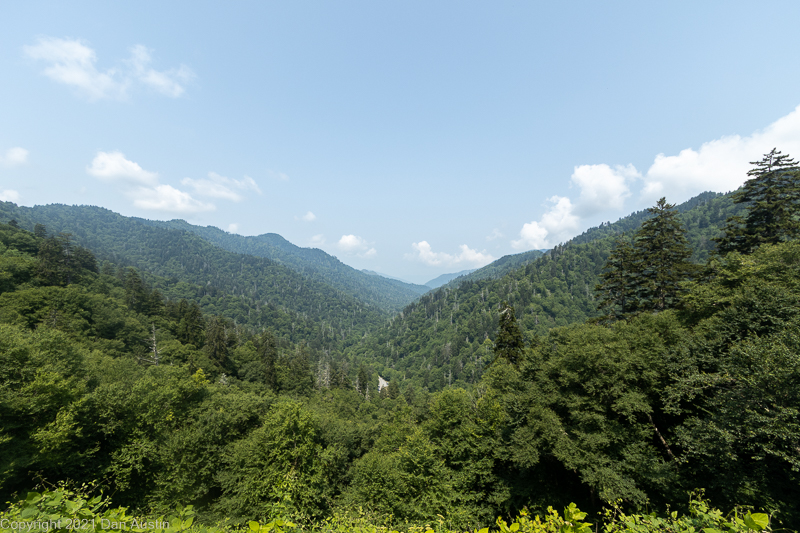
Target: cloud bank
142,186
72,62
719,165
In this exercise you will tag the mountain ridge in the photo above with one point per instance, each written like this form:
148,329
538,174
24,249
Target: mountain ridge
388,294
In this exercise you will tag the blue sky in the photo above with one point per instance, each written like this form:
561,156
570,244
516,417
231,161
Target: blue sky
410,138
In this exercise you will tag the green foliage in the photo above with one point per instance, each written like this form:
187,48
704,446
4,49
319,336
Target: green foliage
65,510
646,276
772,197
508,343
280,468
255,425
68,510
661,254
439,341
616,293
244,288
736,387
386,294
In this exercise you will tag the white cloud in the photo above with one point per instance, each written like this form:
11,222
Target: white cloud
720,165
9,195
602,187
353,244
143,186
317,240
15,156
233,227
169,83
72,62
113,166
425,254
167,198
217,186
308,217
556,225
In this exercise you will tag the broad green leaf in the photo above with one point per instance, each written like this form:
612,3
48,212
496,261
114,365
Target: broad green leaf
254,526
756,521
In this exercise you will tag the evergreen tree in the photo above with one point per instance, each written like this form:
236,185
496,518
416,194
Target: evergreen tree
268,354
616,292
51,256
772,196
135,291
217,341
508,344
296,371
646,276
339,377
362,380
191,325
661,254
393,389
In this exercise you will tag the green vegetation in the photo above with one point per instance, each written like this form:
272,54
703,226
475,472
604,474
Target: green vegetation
646,276
772,196
64,509
503,397
248,290
385,294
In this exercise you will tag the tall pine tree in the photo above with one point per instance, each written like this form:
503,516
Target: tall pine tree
661,258
508,344
616,292
646,276
772,196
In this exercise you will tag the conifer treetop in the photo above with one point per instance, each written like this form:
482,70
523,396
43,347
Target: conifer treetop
771,162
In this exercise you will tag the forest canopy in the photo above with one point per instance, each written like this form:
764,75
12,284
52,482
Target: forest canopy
619,373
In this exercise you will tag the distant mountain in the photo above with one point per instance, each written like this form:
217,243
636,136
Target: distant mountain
295,304
444,278
387,276
387,294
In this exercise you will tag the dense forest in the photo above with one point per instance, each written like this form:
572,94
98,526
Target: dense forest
644,361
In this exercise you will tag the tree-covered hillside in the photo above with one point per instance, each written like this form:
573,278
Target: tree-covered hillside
103,381
445,337
178,256
386,294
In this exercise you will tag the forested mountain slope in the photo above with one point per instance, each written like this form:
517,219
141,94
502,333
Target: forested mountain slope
446,337
106,385
387,294
258,283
